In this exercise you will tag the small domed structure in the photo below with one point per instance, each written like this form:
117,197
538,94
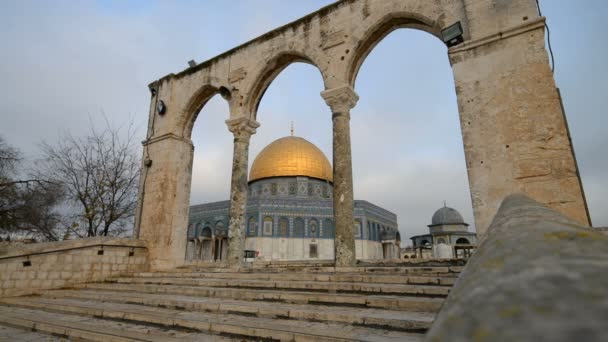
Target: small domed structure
447,215
448,237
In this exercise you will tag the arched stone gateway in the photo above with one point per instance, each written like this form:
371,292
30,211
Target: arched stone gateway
514,130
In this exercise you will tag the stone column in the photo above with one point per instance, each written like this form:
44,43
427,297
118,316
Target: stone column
341,100
242,128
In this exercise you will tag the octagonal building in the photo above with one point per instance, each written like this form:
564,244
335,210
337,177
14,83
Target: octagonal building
289,212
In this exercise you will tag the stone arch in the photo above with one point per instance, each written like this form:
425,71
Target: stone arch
194,106
503,49
398,237
377,32
197,229
440,240
273,68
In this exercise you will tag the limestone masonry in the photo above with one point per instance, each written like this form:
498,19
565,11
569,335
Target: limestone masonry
514,130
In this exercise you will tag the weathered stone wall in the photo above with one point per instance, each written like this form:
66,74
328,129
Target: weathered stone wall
65,263
513,127
514,132
538,276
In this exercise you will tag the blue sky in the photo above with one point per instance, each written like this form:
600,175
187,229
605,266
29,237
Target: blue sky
64,63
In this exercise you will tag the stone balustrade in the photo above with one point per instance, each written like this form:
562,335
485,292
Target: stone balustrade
537,276
27,269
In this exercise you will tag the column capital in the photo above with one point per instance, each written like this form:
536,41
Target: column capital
242,128
341,99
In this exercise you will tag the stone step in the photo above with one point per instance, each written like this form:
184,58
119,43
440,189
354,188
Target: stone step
21,335
63,326
322,277
389,319
388,302
393,270
233,325
333,287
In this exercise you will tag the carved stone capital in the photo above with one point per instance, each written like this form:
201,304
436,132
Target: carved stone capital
242,128
341,100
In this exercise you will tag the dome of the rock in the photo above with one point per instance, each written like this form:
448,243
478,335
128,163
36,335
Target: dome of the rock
291,156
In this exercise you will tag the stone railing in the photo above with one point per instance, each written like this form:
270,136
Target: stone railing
537,276
26,269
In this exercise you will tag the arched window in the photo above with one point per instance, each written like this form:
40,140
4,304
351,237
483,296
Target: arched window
369,230
219,228
378,236
197,230
191,232
267,226
283,227
298,227
328,229
425,243
440,240
313,228
206,232
398,237
462,241
252,227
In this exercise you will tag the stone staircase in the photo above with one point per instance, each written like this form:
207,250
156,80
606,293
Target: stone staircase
299,303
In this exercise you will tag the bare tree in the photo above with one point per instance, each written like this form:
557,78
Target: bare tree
9,158
27,206
99,174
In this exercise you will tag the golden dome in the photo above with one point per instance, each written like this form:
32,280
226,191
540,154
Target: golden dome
291,156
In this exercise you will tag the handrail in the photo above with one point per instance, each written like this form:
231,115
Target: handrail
537,276
63,246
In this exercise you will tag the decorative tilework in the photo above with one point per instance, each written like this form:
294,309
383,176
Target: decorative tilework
304,211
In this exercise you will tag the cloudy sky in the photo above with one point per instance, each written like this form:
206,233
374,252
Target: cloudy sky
65,63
